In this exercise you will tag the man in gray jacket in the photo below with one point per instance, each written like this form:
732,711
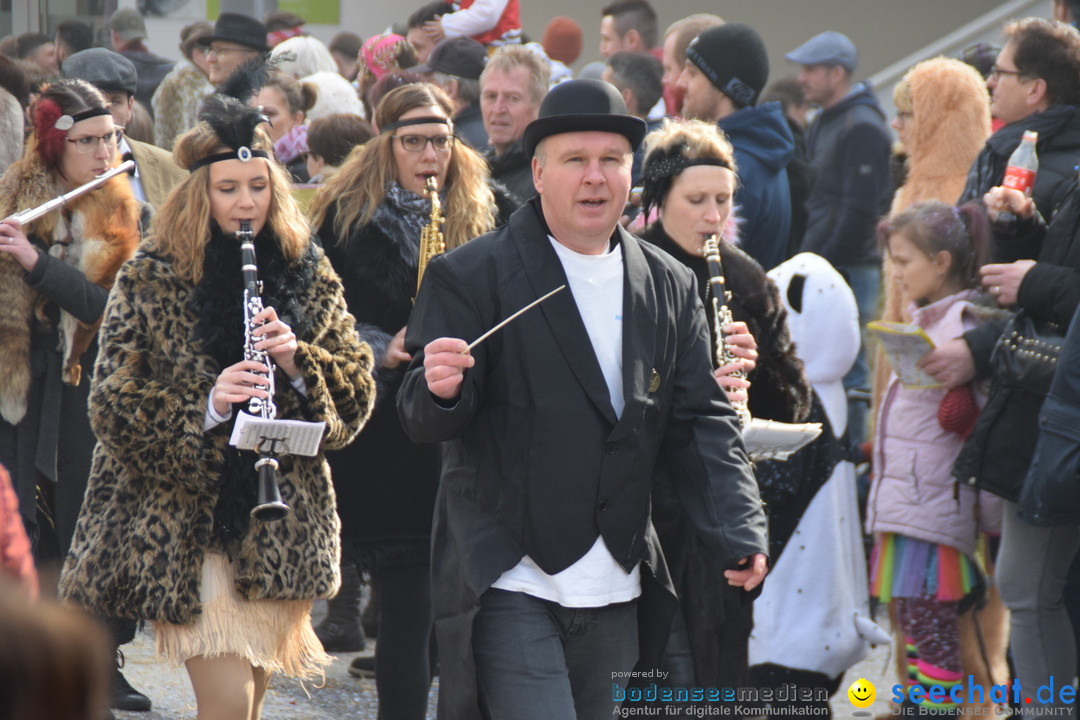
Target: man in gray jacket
849,146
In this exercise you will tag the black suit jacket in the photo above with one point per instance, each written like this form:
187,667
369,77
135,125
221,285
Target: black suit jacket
535,461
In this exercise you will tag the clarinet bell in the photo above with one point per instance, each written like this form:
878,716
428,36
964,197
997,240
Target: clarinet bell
270,507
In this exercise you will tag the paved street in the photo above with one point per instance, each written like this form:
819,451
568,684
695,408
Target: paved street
341,697
346,697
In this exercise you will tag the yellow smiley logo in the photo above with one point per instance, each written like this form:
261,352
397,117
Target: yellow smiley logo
862,693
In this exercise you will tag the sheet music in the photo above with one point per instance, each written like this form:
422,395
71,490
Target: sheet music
294,437
773,440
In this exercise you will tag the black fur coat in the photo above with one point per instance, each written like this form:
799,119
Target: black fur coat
719,618
386,483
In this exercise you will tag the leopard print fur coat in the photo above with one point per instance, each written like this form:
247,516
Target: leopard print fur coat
146,522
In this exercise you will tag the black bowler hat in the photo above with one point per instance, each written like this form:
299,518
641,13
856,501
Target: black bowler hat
581,106
239,29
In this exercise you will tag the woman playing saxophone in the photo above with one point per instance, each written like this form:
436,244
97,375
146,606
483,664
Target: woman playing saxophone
378,225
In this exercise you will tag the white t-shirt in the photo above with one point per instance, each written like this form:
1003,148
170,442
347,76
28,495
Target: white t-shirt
596,579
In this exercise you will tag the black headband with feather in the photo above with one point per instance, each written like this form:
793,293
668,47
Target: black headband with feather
232,118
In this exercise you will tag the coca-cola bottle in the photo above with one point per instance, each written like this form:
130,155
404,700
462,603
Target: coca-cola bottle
1021,170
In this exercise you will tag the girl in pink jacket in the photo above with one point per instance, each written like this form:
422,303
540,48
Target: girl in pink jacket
927,526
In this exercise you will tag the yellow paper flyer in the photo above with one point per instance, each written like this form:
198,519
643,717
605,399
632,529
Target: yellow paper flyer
905,345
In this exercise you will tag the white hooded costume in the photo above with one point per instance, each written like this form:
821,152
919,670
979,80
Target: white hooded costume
814,611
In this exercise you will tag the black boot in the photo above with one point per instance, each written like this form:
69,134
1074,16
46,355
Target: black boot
340,629
369,620
362,666
125,697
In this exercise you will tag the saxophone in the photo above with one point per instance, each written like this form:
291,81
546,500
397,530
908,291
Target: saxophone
431,237
270,506
722,318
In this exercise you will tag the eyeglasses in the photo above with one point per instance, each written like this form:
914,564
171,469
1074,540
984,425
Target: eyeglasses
417,143
223,51
996,72
89,143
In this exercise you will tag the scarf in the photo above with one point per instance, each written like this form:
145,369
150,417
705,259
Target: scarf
402,215
292,144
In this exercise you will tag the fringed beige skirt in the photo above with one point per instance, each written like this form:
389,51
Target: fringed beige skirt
274,635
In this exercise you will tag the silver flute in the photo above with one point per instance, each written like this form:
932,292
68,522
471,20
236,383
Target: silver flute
31,214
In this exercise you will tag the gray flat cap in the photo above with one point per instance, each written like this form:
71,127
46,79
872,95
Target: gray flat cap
104,69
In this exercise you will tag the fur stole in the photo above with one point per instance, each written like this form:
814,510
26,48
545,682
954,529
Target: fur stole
218,298
95,234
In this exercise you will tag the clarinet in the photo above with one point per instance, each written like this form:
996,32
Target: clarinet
722,318
269,506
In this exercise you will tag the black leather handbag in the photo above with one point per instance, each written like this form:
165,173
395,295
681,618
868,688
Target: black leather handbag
1027,352
1051,493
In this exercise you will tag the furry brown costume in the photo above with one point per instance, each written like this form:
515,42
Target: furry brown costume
95,233
147,518
949,125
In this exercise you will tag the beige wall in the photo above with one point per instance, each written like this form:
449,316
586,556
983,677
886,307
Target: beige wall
883,30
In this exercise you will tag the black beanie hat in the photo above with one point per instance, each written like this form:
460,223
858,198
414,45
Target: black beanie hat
734,59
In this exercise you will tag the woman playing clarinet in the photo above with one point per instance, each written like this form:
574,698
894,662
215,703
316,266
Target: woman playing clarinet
166,533
689,176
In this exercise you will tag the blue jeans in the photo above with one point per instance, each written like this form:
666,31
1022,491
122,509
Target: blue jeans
1032,566
865,282
537,660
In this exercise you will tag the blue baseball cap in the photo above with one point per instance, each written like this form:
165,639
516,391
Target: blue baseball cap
828,48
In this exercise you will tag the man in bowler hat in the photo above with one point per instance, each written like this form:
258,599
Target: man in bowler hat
544,558
236,39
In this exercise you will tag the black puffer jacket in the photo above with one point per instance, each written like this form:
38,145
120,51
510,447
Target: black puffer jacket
997,455
1058,149
513,169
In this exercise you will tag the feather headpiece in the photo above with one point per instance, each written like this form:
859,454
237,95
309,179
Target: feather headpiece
234,123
